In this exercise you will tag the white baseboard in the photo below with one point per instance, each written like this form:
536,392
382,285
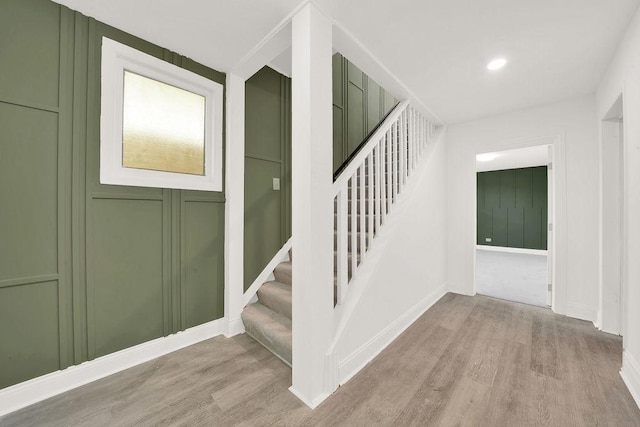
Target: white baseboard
582,312
630,374
542,252
354,363
29,392
313,404
234,327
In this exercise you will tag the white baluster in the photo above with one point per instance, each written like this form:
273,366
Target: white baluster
354,225
363,215
378,158
342,234
371,214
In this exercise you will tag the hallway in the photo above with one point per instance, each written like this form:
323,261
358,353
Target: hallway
467,361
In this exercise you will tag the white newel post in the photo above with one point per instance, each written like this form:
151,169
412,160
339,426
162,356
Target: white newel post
312,216
234,206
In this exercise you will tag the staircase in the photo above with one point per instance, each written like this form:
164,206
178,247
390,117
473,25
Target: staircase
268,321
365,193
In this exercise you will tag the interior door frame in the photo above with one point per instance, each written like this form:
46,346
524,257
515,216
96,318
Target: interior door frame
557,217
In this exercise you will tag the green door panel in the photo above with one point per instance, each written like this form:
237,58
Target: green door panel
28,188
203,260
262,216
30,49
28,332
126,273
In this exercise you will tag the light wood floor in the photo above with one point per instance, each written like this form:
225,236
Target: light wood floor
468,361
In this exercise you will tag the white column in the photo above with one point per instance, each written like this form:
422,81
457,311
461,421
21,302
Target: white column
312,219
234,206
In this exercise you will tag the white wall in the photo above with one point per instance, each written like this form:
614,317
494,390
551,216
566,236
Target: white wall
410,273
623,77
571,127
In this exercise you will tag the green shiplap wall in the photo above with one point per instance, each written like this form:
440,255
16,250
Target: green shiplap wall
512,208
359,104
87,269
267,218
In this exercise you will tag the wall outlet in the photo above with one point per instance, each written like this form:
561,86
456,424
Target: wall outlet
487,239
276,184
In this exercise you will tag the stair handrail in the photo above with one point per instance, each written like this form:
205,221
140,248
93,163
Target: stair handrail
355,162
387,159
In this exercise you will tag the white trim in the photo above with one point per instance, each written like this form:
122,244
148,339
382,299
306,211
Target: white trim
29,392
512,250
311,404
234,205
582,312
558,216
267,272
630,374
355,362
116,58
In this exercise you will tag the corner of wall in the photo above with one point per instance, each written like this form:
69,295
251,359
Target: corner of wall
630,374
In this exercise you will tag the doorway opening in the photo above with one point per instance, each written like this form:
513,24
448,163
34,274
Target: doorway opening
513,242
611,311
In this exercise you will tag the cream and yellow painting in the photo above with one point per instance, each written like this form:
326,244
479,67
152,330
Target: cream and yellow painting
163,127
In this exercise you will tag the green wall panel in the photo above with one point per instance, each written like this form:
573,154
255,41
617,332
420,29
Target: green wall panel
30,49
28,332
356,102
374,110
338,137
28,187
512,208
359,104
515,227
87,269
267,216
263,132
126,273
389,102
263,209
204,267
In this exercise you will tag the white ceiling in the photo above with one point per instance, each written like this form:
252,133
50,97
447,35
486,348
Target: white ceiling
556,49
513,159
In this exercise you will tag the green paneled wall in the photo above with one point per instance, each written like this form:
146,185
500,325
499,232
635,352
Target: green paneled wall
359,104
267,218
87,269
512,208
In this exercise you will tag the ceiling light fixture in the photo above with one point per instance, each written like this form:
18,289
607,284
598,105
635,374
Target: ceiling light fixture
496,64
486,157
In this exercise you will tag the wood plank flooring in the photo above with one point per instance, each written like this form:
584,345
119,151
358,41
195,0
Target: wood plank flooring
468,361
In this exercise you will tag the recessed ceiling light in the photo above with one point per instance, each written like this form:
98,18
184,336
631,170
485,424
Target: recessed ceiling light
496,64
487,157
